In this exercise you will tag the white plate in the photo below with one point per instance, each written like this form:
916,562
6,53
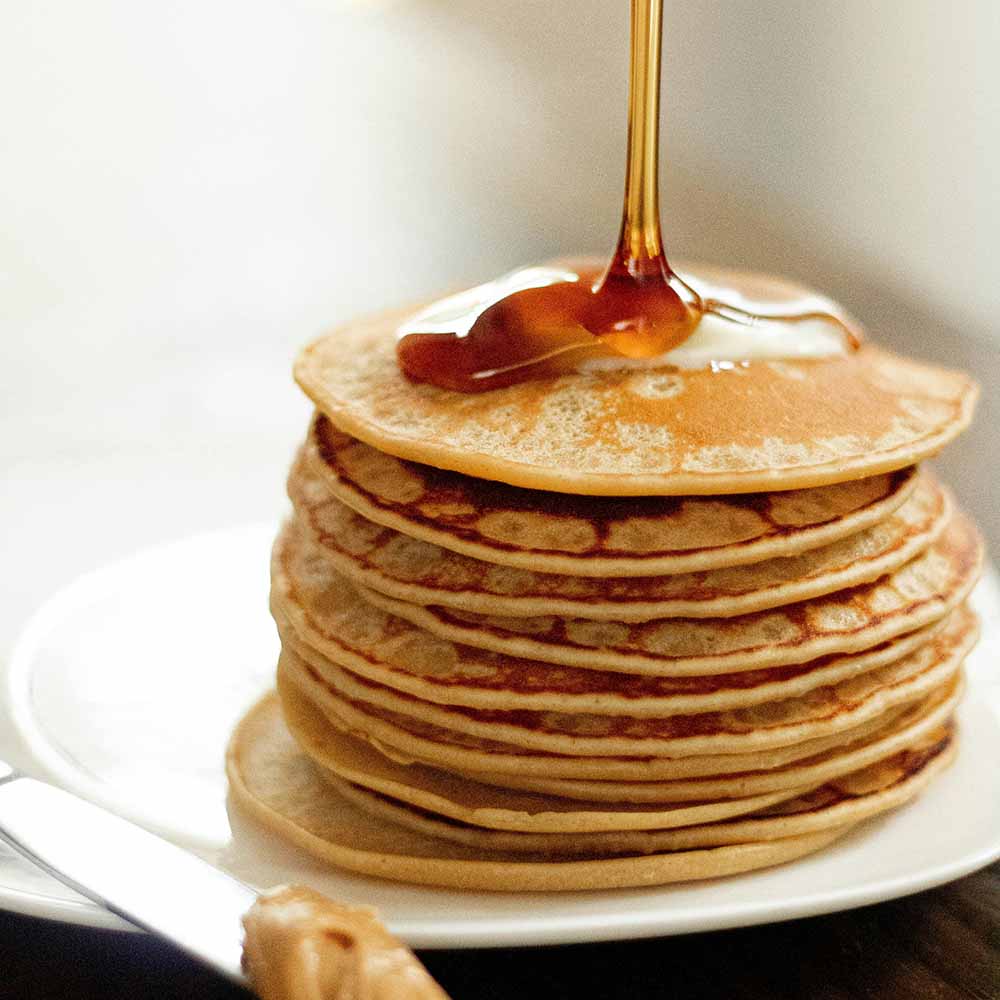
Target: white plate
125,687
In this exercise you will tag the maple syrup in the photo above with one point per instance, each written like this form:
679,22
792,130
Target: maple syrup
545,321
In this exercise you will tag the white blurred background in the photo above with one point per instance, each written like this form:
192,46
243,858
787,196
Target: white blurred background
189,190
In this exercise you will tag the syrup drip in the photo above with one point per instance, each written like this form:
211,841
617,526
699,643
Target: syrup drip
544,321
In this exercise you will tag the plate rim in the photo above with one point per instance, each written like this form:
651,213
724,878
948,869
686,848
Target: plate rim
564,930
62,909
455,933
46,762
15,692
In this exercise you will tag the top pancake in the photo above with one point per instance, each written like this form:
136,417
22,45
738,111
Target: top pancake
592,536
766,426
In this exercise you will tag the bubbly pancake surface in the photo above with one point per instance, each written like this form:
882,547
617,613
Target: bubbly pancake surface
918,593
592,536
767,426
412,570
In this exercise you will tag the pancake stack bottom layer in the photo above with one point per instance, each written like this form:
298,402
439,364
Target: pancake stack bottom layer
491,687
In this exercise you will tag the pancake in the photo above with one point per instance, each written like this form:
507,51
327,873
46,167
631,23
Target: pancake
409,739
883,786
761,427
817,713
609,629
473,801
918,593
479,804
576,821
862,747
412,570
323,618
592,536
274,782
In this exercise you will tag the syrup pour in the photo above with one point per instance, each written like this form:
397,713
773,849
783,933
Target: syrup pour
544,321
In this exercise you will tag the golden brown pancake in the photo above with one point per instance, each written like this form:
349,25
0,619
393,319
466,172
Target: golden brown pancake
465,799
609,629
593,536
850,799
323,617
521,803
817,713
768,426
411,570
576,818
920,592
281,788
860,747
409,740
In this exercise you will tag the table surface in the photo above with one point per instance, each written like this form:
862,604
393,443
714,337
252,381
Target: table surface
944,943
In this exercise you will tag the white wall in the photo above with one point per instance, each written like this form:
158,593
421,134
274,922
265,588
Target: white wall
191,188
209,163
874,132
230,176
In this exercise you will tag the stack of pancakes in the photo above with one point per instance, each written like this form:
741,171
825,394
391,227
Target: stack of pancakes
610,629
